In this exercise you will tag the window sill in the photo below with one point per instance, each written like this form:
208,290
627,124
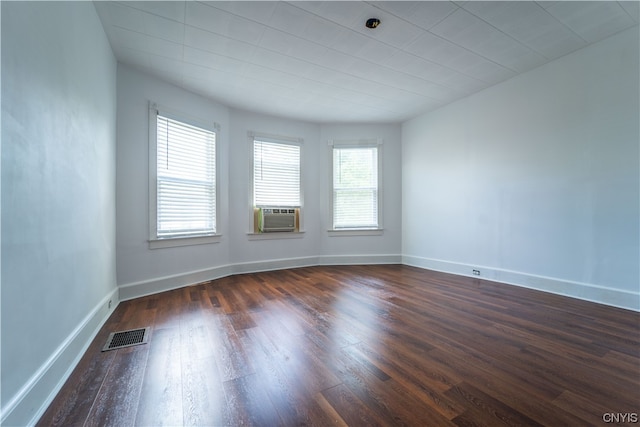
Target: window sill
276,235
356,232
183,241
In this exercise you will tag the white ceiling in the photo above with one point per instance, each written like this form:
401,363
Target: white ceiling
316,60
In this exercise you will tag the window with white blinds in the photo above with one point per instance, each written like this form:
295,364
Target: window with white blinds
355,187
276,173
185,180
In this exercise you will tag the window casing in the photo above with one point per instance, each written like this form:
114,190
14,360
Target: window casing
356,185
183,180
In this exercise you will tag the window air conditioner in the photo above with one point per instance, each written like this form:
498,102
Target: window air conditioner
277,219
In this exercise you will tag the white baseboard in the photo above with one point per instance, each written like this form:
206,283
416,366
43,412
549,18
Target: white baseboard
584,291
276,264
359,259
168,283
32,400
162,284
176,281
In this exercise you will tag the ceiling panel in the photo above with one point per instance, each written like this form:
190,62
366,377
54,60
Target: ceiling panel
173,10
315,60
488,72
287,44
373,51
257,11
463,84
293,20
346,13
216,43
212,60
145,44
458,58
423,14
632,8
396,32
592,21
218,21
474,34
338,61
416,66
530,24
139,21
546,4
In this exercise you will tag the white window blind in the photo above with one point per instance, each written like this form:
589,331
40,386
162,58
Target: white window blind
276,174
355,187
186,179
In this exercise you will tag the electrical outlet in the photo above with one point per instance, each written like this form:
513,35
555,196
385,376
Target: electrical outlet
476,272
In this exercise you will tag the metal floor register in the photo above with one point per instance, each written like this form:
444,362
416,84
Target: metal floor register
128,338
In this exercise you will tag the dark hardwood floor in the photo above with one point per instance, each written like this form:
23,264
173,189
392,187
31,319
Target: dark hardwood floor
358,346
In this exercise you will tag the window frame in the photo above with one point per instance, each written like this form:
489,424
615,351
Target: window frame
255,234
359,143
155,241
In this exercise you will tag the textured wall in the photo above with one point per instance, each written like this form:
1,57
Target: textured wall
535,180
58,186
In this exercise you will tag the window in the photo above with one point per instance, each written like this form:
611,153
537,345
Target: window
183,188
356,181
276,173
277,195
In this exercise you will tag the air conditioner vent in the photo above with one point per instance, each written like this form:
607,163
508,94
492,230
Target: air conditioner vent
277,219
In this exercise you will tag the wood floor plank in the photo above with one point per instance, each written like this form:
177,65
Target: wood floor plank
230,357
203,398
590,412
576,352
305,362
426,384
377,393
350,408
249,400
118,399
481,406
160,402
612,391
516,392
288,391
73,404
478,367
168,311
330,411
358,346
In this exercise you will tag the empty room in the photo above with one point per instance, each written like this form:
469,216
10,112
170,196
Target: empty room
349,213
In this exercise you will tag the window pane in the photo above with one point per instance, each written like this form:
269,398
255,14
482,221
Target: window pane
355,187
357,167
276,174
185,179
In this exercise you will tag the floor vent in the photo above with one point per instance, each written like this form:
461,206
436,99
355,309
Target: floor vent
128,338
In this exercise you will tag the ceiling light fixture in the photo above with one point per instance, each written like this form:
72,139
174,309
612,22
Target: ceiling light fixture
372,23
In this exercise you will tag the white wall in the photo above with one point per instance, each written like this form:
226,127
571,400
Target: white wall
534,181
58,195
141,270
244,250
349,249
146,270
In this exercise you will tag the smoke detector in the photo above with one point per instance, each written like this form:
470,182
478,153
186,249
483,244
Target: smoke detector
372,23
